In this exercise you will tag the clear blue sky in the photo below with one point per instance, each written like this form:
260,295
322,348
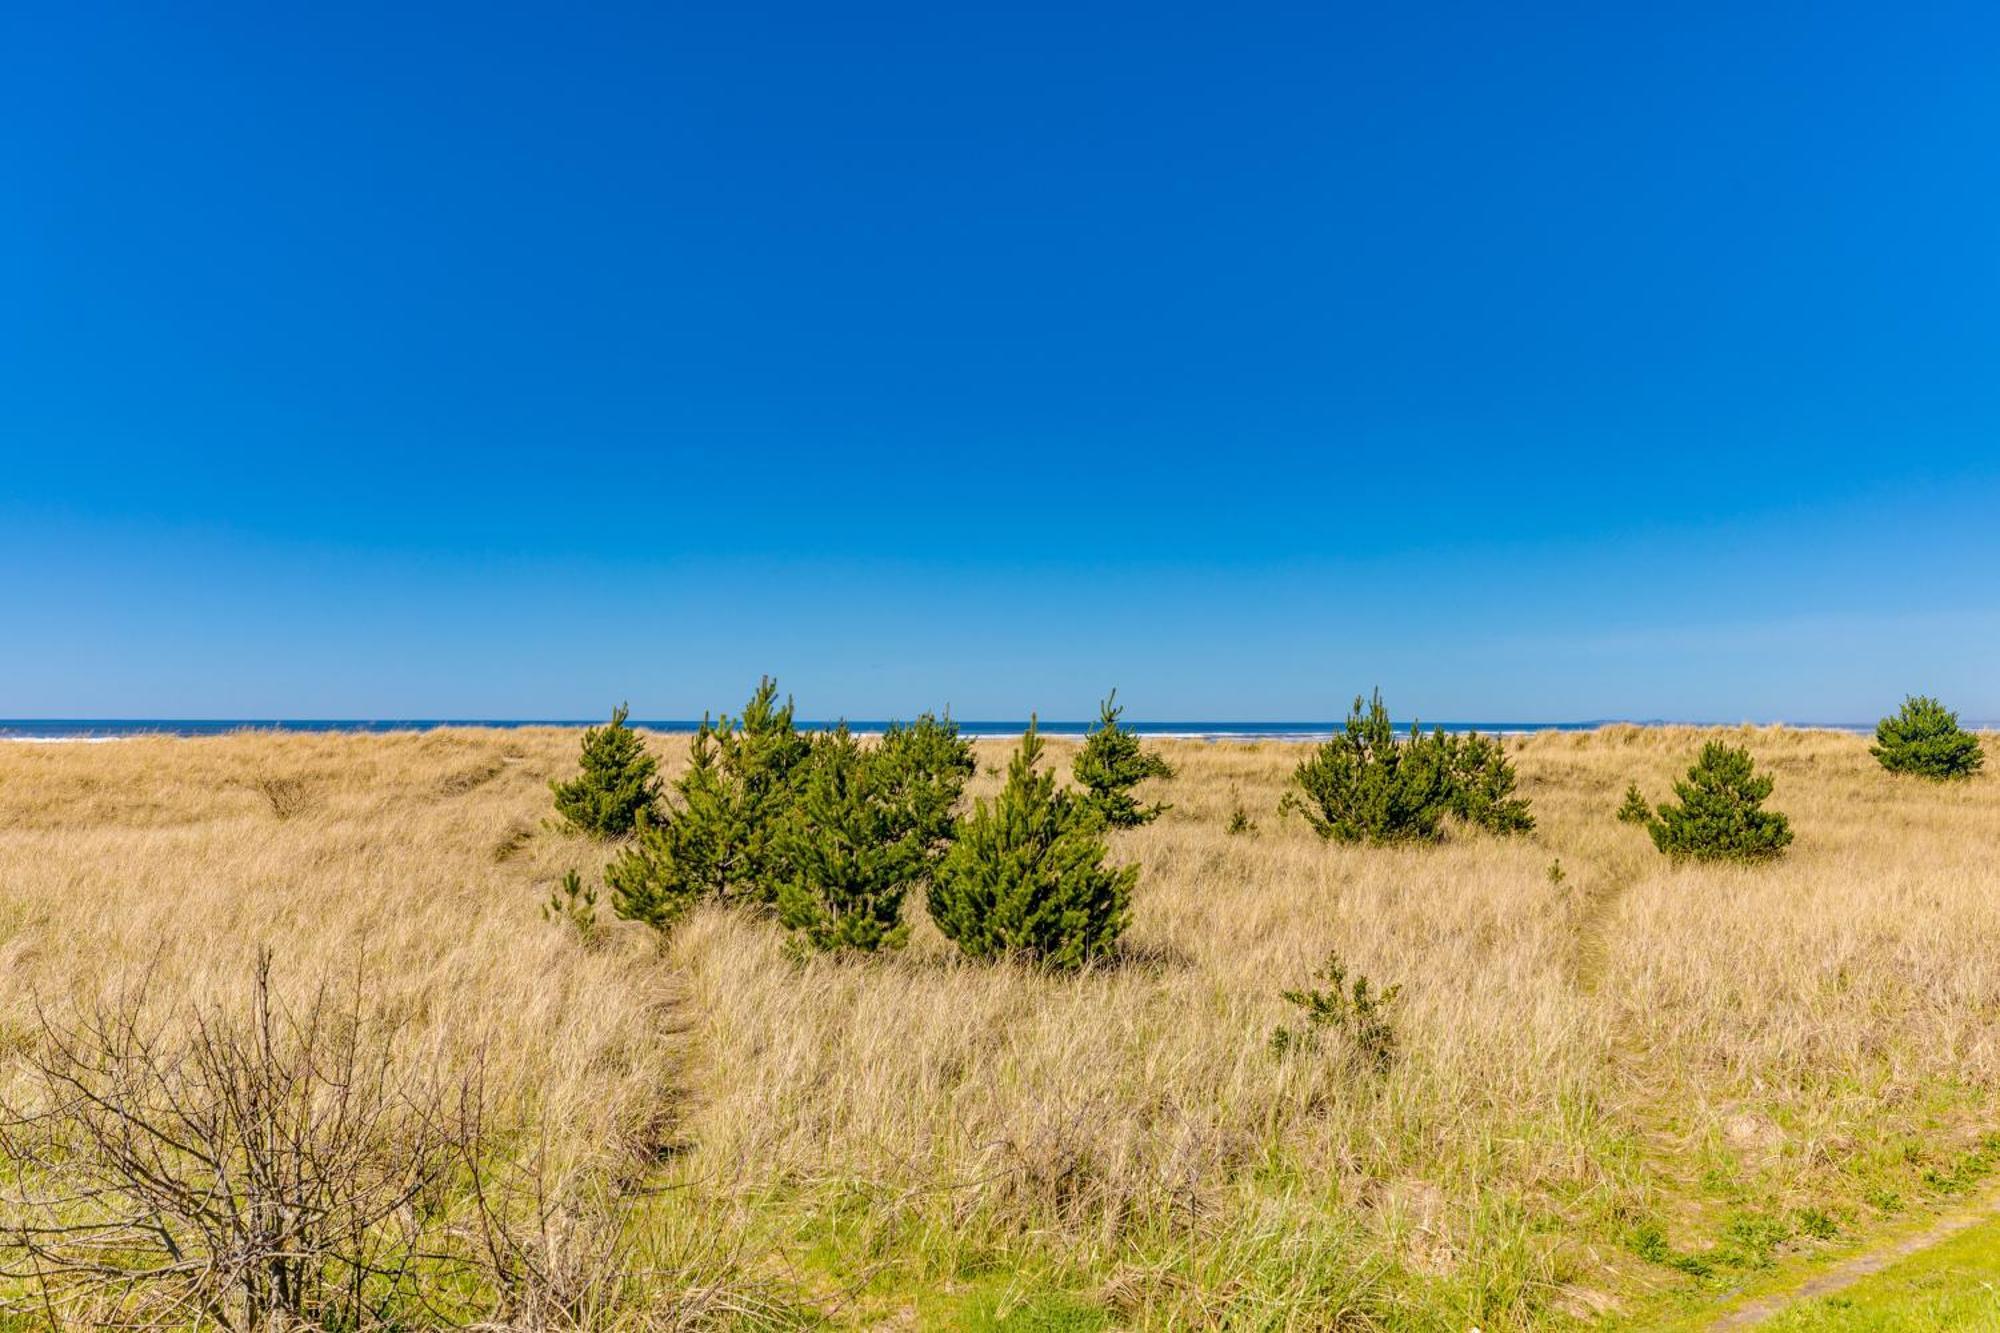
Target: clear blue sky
1541,362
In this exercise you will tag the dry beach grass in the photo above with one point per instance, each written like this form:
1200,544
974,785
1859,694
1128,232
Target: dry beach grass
1617,1090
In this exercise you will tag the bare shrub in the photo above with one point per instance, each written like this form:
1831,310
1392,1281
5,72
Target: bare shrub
551,1242
277,1170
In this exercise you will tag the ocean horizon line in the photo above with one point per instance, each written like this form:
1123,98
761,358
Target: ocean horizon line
84,729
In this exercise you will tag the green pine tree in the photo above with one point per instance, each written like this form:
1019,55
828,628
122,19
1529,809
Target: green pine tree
1720,815
1635,809
617,785
1924,738
1112,764
684,857
924,767
1026,876
1480,781
719,836
762,758
851,854
1364,785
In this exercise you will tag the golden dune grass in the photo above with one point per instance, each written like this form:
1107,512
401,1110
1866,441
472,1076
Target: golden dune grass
1635,1046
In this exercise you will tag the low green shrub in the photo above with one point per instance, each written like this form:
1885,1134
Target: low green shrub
1352,1014
1923,738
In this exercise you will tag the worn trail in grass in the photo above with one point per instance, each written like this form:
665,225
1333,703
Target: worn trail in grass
1946,1276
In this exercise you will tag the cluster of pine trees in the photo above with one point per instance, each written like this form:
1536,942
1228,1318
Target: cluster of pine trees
829,834
1365,785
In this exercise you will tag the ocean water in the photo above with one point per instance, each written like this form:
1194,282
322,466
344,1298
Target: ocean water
104,728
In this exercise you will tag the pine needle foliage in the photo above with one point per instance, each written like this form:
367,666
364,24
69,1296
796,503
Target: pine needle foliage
719,835
1720,815
1364,785
923,768
1112,764
1353,1014
574,904
1923,738
681,860
617,784
1480,782
1026,878
869,826
762,757
852,857
1635,809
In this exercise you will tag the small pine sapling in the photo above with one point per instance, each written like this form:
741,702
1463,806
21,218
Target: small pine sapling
1112,764
1480,782
617,785
922,769
851,855
1720,815
574,904
1923,738
761,757
686,856
1354,1014
718,836
1240,822
1635,809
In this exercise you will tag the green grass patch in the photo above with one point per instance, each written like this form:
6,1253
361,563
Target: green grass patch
995,1304
1955,1285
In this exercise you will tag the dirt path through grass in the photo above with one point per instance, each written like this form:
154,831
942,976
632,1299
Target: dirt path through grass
1593,927
1858,1267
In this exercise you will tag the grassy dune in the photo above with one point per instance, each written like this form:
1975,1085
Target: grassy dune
1620,1092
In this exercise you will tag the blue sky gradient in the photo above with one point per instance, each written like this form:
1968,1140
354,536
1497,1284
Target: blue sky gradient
1535,362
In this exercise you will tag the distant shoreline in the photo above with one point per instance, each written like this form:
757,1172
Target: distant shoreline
54,730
